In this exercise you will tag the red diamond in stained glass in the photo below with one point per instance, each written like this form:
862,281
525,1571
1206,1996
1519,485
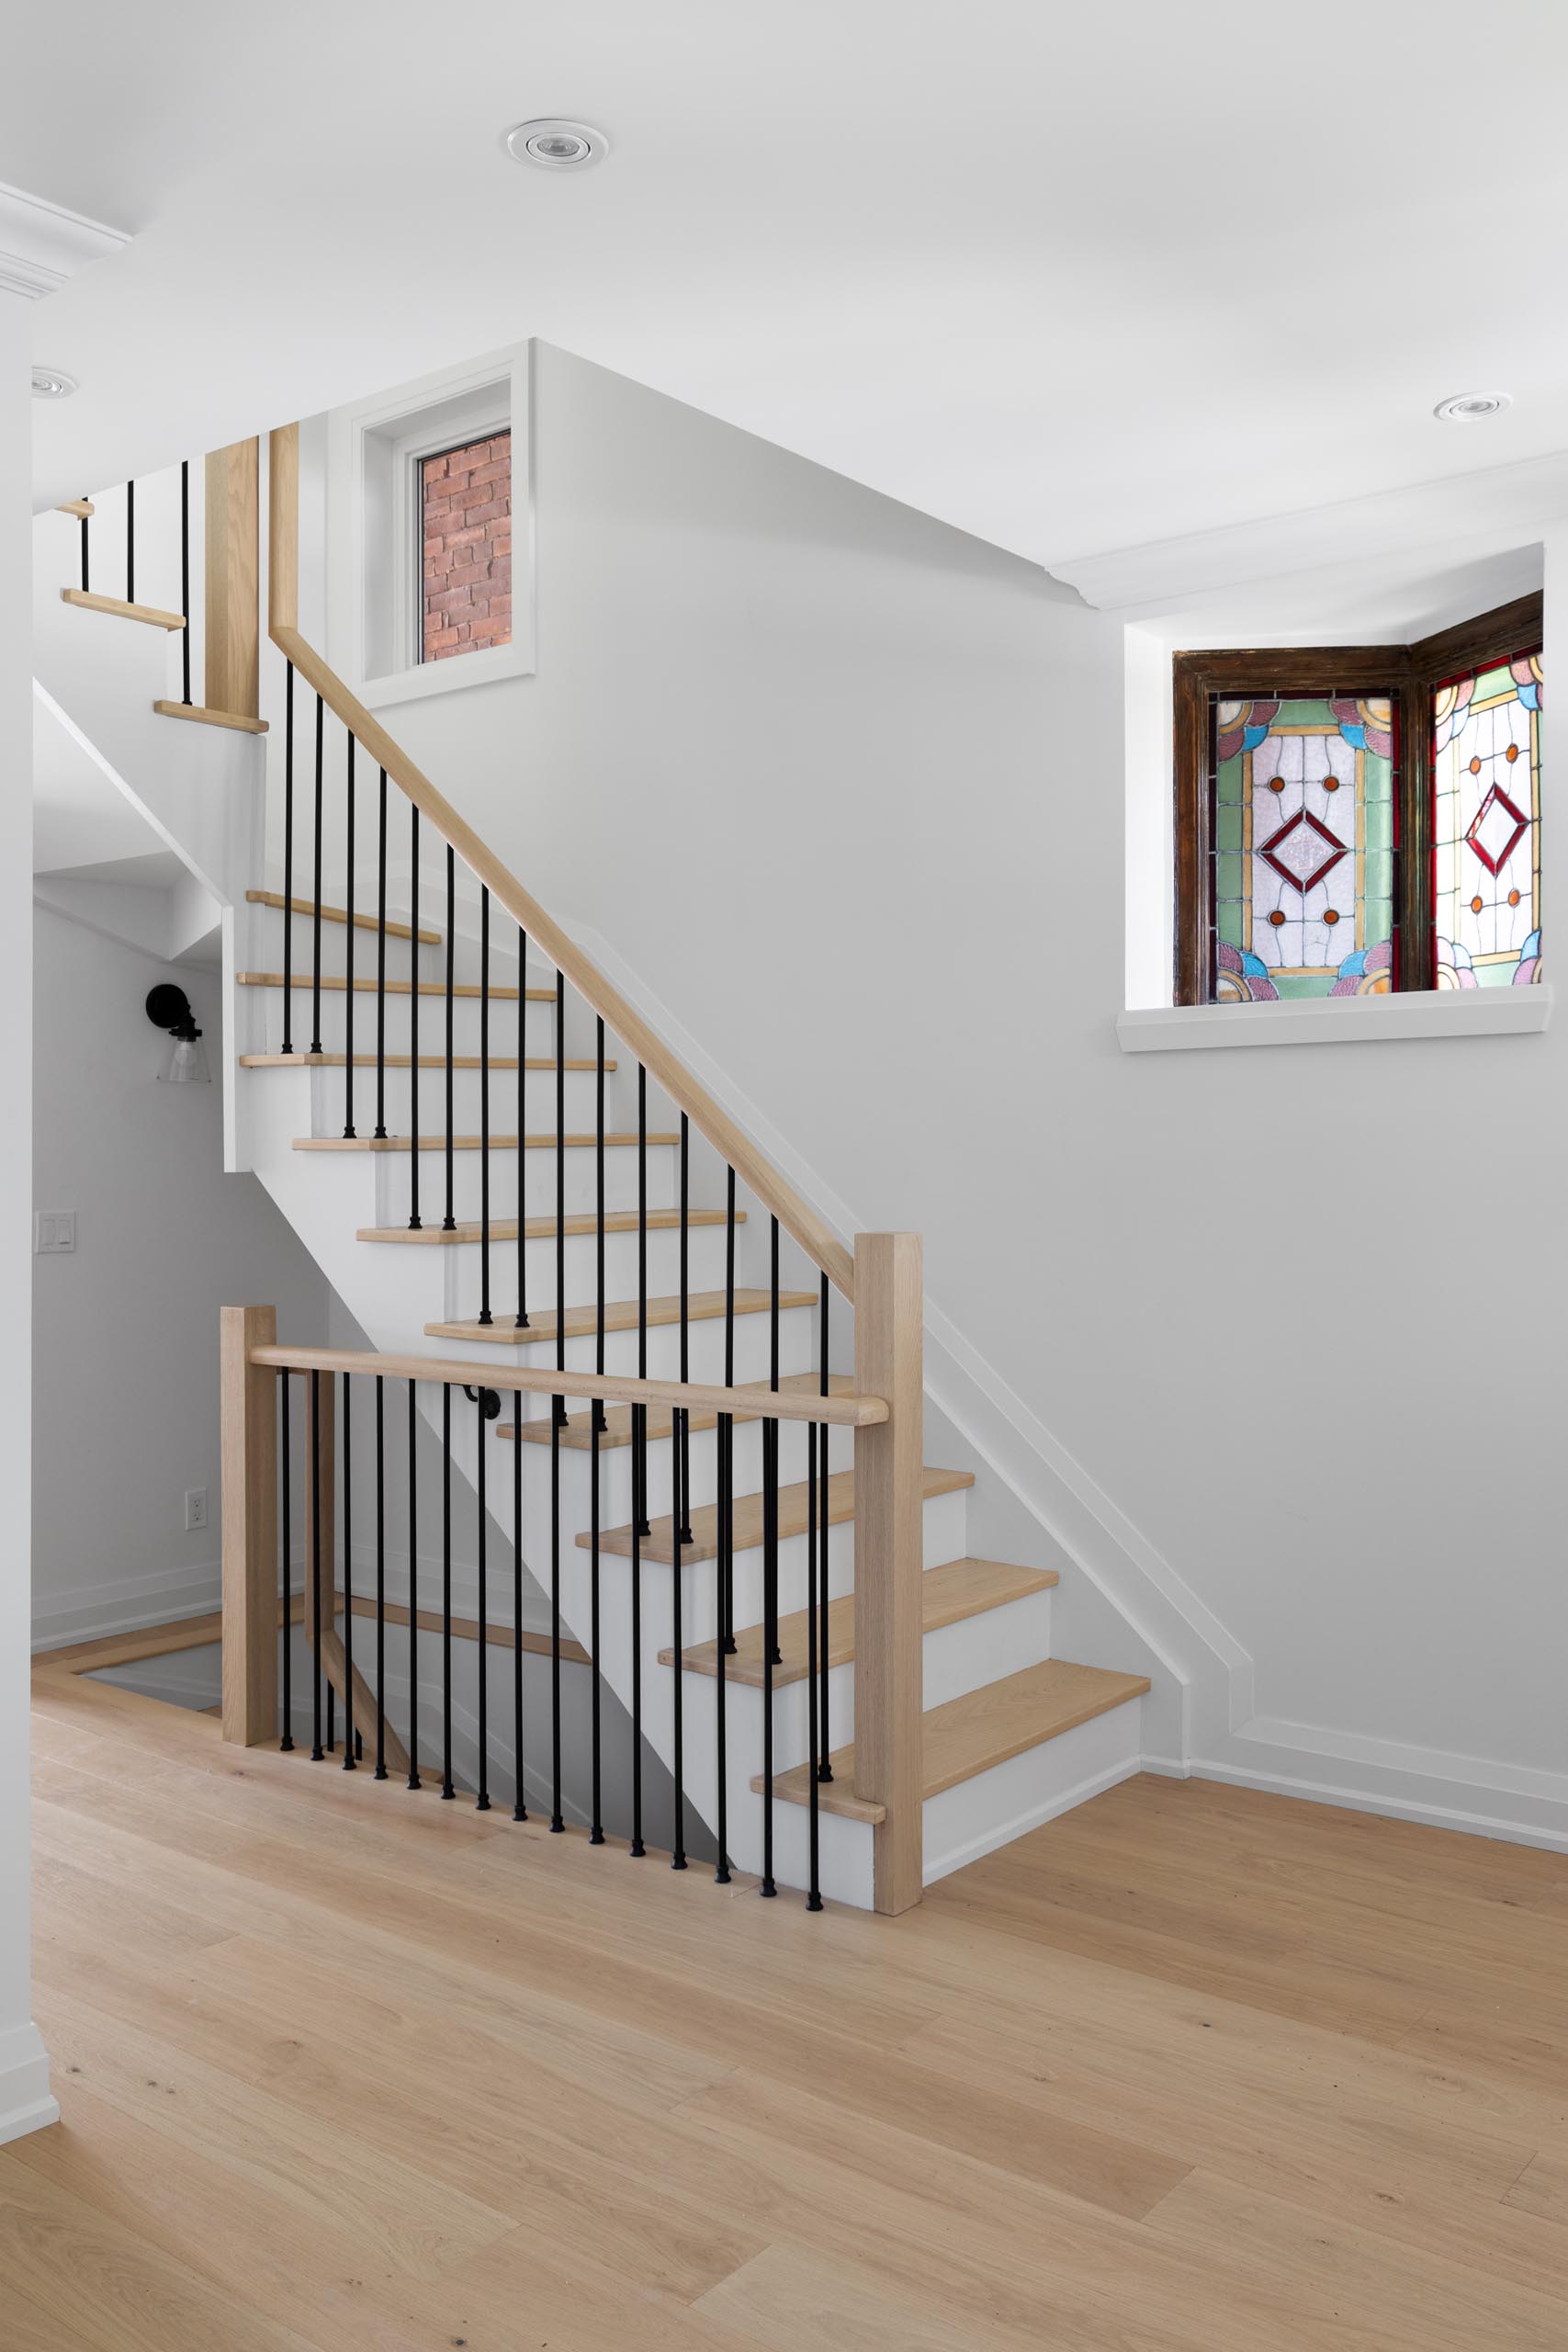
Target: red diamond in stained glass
1495,835
1302,851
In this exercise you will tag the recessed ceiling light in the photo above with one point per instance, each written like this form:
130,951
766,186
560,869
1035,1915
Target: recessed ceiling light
1469,408
557,146
52,384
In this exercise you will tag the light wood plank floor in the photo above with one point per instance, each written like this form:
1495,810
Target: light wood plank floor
1193,2070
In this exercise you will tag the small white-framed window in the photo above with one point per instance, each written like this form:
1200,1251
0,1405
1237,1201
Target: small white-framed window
429,556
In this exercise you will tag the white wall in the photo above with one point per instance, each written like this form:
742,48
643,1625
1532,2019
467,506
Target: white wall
125,1348
845,790
25,2098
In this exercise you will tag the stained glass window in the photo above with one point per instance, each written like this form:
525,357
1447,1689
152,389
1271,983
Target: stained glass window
1486,825
1303,834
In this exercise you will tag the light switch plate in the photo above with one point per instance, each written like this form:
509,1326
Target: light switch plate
55,1232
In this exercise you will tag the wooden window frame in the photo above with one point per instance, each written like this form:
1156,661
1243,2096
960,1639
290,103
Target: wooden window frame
1409,674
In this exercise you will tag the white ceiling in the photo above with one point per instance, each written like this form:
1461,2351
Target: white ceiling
1075,279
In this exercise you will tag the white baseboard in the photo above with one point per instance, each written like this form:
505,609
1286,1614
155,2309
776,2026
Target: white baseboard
1474,1794
126,1605
25,2103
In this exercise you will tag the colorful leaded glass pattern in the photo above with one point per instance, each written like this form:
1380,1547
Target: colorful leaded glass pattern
1303,844
1487,826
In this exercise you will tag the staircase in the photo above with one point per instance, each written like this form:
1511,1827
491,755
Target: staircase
466,1127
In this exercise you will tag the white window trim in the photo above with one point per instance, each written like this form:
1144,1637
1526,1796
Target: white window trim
374,538
1339,1020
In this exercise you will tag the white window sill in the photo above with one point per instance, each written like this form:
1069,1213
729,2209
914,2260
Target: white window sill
1339,1021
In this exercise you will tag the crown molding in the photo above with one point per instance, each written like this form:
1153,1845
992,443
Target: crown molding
1492,503
41,244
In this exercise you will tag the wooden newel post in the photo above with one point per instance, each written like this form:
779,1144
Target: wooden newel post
249,1427
233,580
889,1311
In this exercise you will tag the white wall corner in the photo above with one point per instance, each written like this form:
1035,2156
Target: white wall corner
1203,1677
26,2102
41,244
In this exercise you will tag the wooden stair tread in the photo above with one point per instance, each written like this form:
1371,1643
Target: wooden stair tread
230,719
958,1590
617,1541
154,615
82,508
299,1060
339,914
543,1228
617,1429
620,1315
985,1727
336,983
475,1143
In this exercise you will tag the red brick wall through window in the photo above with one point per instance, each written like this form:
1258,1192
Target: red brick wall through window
465,498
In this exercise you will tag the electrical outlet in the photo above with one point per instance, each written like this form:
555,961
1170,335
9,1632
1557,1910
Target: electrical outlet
55,1232
195,1508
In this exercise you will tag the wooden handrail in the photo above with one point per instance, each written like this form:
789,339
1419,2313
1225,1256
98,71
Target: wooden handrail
755,1171
852,1413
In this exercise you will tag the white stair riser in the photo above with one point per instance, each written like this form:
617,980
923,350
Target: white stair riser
394,1179
432,1023
706,1350
958,1658
447,1278
264,937
329,1093
995,1808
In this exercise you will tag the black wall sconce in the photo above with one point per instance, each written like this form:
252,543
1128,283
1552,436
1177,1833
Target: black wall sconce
168,1008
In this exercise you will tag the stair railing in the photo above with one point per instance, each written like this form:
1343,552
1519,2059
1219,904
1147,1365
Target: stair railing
882,1282
275,1471
231,636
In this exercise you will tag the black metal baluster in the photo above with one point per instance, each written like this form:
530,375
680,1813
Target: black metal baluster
380,1772
769,1628
685,1520
721,1824
185,581
727,1629
558,1403
557,1415
288,859
87,552
332,1718
677,1574
640,1474
824,1753
347,1577
348,1012
519,1802
489,1407
597,1827
316,916
640,1445
599,1421
772,1382
413,1029
381,959
522,1138
131,543
316,1565
286,1742
413,1589
485,1315
814,1878
447,1789
448,1222
771,1654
